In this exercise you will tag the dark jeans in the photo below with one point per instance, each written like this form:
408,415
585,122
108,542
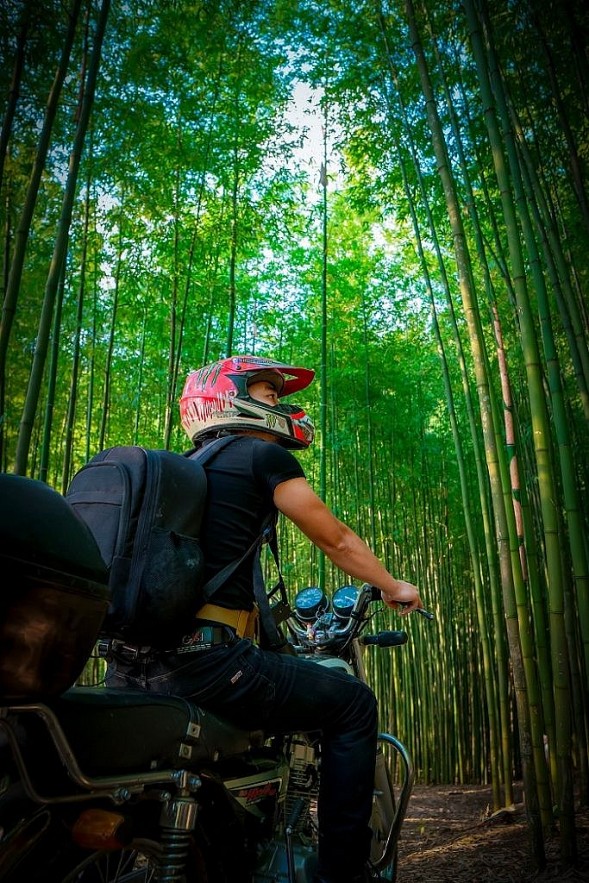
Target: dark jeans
256,688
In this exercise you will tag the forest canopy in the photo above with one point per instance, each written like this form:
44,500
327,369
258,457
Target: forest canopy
392,193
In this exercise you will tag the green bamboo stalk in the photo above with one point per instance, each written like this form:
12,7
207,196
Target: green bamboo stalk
541,436
528,575
60,250
486,411
74,380
576,602
556,262
26,217
498,677
324,318
570,488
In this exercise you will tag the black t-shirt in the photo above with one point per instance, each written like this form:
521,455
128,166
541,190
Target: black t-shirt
241,482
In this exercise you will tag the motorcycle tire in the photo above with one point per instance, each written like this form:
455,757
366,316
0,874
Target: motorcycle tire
137,863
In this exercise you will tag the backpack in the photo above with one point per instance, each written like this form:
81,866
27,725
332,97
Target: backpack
145,508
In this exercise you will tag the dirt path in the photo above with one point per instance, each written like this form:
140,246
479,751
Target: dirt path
451,836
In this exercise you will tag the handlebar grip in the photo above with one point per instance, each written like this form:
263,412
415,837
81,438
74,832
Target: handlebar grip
376,596
385,639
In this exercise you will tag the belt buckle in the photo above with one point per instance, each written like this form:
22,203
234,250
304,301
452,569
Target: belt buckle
201,639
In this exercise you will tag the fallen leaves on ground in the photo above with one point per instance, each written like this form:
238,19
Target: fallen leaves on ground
451,835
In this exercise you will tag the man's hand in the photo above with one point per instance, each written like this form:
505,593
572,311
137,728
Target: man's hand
404,599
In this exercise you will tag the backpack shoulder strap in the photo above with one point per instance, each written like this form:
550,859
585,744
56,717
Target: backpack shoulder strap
220,578
271,614
205,455
210,450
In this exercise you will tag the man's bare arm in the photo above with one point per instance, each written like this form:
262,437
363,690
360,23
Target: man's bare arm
298,501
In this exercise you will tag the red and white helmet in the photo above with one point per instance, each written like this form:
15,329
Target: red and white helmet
216,398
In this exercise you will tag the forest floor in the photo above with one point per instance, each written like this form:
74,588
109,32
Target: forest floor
451,835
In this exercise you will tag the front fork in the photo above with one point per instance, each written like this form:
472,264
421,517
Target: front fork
389,809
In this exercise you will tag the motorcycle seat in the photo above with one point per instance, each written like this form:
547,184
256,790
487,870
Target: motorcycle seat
112,732
146,730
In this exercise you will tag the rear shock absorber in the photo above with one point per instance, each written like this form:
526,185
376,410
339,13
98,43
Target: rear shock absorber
177,821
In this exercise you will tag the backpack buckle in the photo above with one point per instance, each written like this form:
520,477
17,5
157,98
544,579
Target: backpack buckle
104,648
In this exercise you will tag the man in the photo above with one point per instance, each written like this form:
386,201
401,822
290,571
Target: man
248,481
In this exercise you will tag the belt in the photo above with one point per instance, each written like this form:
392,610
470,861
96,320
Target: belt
203,638
220,626
244,622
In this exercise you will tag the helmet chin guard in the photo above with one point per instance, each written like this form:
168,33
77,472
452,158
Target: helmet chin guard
215,399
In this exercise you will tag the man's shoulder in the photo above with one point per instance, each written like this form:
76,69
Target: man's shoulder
274,457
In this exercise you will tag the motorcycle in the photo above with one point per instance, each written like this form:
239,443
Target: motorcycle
119,786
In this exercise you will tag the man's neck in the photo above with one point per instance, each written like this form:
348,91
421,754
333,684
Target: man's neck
258,433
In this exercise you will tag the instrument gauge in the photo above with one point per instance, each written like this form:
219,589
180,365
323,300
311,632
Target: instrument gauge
310,603
343,601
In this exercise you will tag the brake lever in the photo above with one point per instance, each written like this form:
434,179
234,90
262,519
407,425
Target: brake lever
425,613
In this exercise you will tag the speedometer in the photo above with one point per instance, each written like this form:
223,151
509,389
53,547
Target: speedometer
310,603
343,601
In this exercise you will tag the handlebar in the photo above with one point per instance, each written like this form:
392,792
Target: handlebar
327,628
385,639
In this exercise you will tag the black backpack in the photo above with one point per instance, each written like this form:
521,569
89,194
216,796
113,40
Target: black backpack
144,508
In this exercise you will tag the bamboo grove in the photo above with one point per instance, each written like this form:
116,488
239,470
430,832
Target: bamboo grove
393,192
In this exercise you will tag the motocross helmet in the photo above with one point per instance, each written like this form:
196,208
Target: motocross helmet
216,399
